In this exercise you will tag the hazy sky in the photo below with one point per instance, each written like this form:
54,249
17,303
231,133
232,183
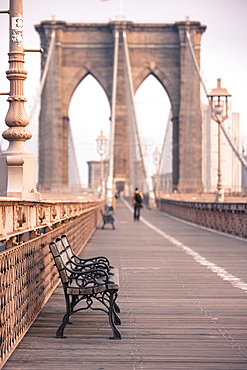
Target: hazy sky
224,44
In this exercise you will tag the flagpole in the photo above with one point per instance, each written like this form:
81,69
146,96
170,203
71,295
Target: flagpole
120,15
120,9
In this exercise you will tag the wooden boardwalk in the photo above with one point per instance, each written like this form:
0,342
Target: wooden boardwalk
182,298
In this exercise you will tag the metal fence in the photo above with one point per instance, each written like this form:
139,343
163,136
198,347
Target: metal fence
27,273
230,218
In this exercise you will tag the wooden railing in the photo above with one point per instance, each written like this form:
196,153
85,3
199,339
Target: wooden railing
226,217
27,274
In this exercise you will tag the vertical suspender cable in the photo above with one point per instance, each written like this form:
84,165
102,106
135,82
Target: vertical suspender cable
42,83
165,142
145,168
44,75
165,163
114,92
41,87
109,191
74,160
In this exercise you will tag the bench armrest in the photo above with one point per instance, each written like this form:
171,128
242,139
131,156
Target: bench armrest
88,266
91,277
100,259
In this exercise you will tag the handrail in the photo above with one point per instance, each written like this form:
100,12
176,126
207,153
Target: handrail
28,276
24,220
230,218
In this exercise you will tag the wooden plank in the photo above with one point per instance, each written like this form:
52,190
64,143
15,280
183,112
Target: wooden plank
175,313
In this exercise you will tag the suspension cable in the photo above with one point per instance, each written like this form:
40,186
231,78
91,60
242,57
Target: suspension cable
113,114
145,168
235,150
165,142
44,75
74,159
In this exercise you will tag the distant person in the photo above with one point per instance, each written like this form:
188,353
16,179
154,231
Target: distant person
137,198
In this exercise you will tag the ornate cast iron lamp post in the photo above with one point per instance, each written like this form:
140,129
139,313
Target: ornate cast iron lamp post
219,113
101,142
17,165
156,160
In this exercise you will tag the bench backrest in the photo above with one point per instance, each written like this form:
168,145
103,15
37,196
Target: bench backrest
67,247
63,250
60,259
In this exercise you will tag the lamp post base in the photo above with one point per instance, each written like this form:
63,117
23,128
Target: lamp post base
18,176
219,196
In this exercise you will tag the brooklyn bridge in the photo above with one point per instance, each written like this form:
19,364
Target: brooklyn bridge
182,266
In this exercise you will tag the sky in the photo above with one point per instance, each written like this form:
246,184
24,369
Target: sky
223,55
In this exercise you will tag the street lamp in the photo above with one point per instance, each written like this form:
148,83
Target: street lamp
101,143
156,160
219,113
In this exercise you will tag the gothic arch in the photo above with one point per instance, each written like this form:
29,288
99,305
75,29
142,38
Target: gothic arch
161,77
75,81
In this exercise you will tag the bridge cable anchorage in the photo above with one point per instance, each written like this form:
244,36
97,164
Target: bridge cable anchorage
136,127
235,150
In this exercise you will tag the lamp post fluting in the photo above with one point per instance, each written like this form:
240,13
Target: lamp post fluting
17,165
219,113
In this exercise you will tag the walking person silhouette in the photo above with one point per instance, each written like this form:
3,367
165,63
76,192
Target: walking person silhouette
137,198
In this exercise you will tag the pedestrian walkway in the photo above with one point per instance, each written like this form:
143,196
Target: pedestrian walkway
182,298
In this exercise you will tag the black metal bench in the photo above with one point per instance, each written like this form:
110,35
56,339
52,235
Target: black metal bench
107,218
78,260
87,282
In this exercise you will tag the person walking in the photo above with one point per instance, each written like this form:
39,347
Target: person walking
137,198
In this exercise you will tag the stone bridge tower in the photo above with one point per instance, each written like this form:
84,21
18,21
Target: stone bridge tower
158,49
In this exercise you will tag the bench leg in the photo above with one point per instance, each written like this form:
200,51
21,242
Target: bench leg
116,308
113,316
60,330
117,320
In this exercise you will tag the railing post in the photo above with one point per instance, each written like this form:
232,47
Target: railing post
17,165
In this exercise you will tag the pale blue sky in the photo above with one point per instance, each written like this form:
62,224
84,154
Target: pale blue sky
224,46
